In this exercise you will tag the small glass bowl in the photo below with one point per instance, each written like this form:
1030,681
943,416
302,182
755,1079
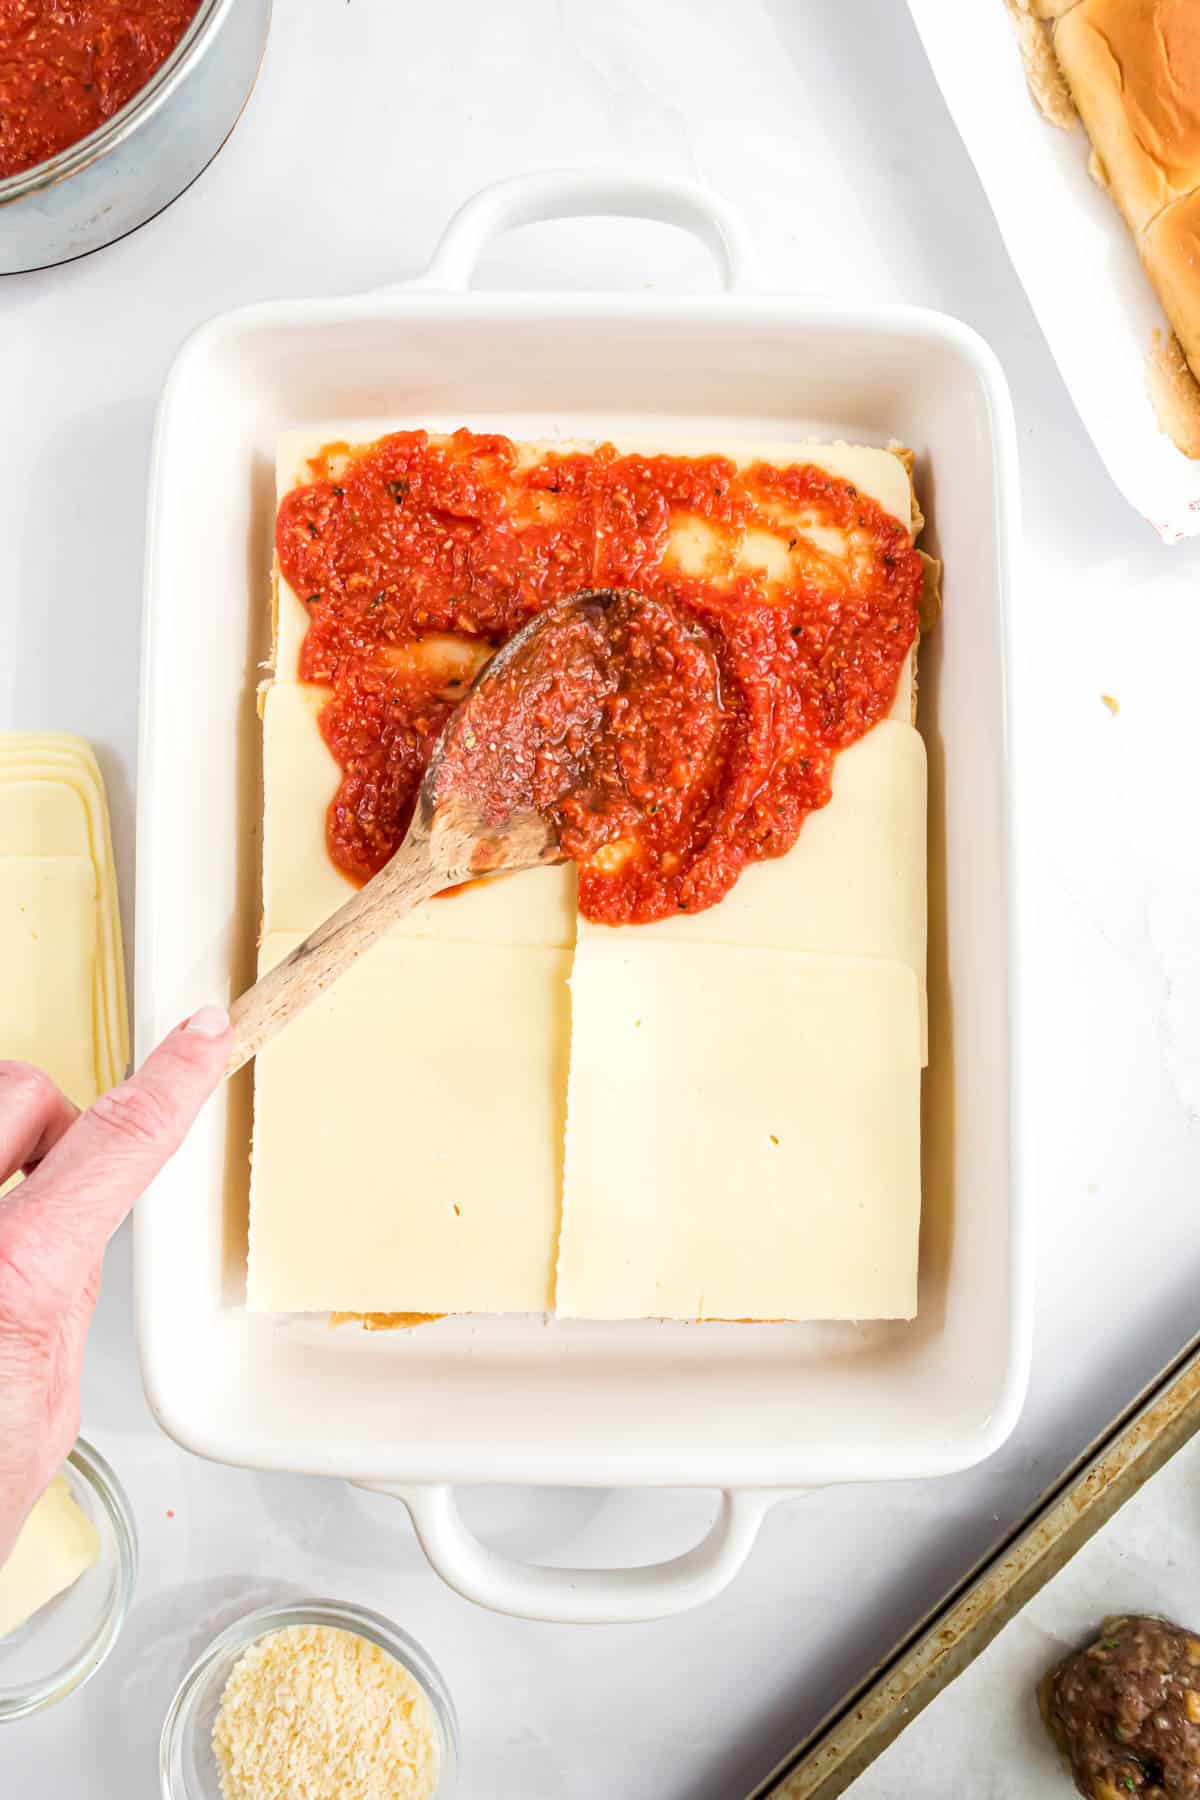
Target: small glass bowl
64,1643
187,1766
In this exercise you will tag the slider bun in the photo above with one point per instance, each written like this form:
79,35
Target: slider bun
1133,67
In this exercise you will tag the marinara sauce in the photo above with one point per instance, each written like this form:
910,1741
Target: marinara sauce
68,65
775,645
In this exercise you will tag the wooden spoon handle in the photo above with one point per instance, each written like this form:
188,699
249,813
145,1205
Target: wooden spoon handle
327,952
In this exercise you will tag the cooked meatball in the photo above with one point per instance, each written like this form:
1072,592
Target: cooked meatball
1126,1711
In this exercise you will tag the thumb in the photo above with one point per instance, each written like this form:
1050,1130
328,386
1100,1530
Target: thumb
81,1191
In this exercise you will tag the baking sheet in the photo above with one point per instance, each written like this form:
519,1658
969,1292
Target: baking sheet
1071,250
1101,1541
983,1736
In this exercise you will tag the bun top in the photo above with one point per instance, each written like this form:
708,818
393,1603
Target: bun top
1134,72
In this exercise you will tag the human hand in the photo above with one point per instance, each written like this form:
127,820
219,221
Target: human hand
83,1173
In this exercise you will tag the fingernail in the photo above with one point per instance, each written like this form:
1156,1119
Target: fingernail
209,1022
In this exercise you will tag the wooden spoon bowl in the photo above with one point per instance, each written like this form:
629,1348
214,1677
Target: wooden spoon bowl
475,814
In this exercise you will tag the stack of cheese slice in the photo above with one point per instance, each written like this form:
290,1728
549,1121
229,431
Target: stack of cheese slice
505,1108
62,1003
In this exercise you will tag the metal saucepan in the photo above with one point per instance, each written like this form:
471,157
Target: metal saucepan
141,159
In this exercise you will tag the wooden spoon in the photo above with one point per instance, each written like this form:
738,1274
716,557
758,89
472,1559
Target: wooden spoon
475,812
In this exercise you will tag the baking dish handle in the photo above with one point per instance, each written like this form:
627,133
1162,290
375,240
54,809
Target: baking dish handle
584,1596
581,193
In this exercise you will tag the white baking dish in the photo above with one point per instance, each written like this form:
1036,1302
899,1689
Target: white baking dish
755,1410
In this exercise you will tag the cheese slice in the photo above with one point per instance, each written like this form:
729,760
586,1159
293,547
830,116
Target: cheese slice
743,1135
854,883
42,818
53,806
881,474
48,927
302,885
57,1544
408,1135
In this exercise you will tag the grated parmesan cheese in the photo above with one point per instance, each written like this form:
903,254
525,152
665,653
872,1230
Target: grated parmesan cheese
312,1712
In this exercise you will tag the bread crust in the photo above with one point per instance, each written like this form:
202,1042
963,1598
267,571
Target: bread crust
1044,78
1174,393
1170,248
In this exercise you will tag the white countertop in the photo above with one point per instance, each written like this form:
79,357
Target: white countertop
823,125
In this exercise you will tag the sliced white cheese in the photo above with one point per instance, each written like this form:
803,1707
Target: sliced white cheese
53,803
877,473
302,885
904,705
854,882
57,1544
408,1135
42,818
48,932
743,1134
